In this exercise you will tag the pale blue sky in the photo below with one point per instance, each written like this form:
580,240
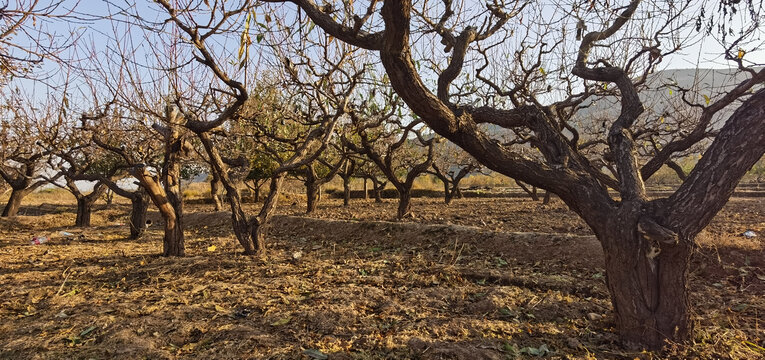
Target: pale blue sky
705,53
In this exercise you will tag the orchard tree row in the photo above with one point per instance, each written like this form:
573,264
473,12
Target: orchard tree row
567,97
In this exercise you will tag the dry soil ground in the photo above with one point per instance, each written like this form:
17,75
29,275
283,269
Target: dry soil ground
481,279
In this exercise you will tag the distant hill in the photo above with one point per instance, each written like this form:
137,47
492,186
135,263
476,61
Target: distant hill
662,97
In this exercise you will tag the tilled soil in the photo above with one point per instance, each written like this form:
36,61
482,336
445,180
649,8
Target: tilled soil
481,279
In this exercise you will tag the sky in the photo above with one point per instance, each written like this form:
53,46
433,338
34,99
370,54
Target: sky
94,33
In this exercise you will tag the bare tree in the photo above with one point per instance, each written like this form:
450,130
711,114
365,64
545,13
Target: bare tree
294,135
648,242
316,174
25,130
160,179
384,139
450,165
25,41
77,162
347,172
139,200
370,171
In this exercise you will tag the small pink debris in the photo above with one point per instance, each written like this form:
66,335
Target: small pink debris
37,240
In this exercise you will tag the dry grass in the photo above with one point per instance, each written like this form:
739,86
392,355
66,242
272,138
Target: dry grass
440,287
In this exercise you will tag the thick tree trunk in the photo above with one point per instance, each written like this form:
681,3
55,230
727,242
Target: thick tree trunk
258,235
346,191
139,206
84,209
455,192
312,197
377,190
404,203
172,243
647,282
14,203
255,242
241,225
173,240
448,194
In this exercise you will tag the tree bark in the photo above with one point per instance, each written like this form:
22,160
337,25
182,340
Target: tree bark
215,190
258,235
84,209
447,193
312,197
346,190
257,192
258,225
546,199
378,194
404,203
377,188
139,205
85,202
14,203
366,190
456,186
172,242
168,200
646,276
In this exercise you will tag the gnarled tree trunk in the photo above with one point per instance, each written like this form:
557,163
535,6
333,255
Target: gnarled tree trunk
404,203
139,204
254,242
85,202
646,274
14,203
256,193
312,197
109,197
377,188
84,209
173,241
648,291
